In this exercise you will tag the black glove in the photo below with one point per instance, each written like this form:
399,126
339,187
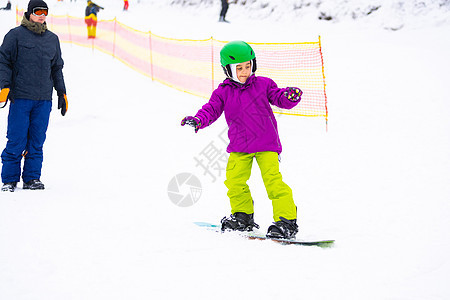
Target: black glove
192,121
62,103
293,94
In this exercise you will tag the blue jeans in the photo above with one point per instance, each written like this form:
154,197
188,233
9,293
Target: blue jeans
27,128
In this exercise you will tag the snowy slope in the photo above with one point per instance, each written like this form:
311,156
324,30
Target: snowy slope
377,181
387,14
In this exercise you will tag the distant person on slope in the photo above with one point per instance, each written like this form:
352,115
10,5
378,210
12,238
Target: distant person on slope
7,7
252,129
30,67
125,4
91,18
223,12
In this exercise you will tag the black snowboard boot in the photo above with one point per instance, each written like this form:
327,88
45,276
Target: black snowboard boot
239,221
9,187
283,229
34,184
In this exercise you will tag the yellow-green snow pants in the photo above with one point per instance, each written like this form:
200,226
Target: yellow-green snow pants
238,172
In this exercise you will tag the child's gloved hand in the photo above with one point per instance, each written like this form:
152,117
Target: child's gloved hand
293,94
192,121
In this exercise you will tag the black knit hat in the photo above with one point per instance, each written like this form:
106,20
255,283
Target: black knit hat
33,4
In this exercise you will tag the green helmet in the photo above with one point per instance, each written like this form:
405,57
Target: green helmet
236,52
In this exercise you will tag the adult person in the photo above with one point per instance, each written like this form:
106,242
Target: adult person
30,67
91,18
223,12
7,7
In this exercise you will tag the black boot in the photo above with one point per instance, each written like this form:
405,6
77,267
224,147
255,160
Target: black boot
9,187
222,19
34,184
239,221
283,229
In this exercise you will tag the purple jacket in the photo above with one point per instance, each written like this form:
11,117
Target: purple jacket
252,127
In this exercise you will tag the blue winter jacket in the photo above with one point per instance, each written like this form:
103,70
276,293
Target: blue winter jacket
31,64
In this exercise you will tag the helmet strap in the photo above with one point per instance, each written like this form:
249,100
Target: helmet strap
227,71
233,73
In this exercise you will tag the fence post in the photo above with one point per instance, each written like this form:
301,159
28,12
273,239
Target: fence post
114,38
68,26
212,64
151,54
324,85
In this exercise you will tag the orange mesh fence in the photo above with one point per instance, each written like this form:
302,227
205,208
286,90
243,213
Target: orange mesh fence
193,66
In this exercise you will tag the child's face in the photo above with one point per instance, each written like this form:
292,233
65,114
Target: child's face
243,71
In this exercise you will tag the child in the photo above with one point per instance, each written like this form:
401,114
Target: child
253,133
91,18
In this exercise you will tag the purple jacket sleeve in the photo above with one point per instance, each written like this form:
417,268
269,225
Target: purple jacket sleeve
277,97
212,110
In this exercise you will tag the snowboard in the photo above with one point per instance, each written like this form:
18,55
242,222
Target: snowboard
257,235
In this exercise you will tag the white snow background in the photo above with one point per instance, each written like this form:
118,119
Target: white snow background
377,182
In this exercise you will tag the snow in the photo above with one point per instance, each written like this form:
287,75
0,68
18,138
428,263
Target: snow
377,181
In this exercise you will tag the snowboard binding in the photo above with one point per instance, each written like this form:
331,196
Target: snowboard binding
238,222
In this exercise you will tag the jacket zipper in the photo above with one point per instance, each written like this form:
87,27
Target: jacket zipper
276,132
